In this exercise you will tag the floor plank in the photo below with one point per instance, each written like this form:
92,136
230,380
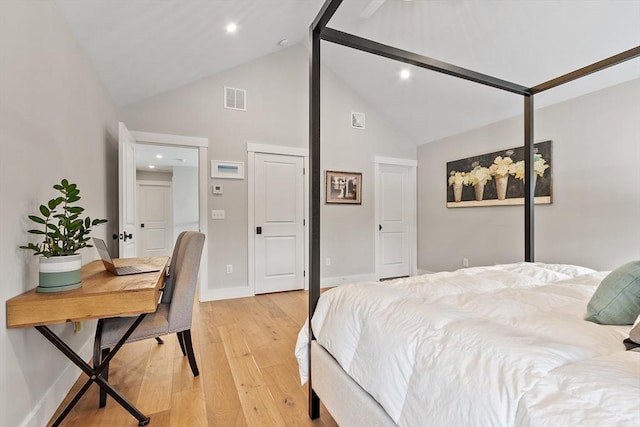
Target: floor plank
248,372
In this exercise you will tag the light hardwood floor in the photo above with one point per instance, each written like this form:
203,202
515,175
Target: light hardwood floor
248,372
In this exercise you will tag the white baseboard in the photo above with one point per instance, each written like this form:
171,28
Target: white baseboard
327,282
421,271
226,293
246,291
46,407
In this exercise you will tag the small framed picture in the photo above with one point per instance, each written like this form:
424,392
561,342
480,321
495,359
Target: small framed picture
343,187
228,170
357,120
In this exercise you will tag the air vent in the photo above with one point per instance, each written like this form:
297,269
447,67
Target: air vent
235,99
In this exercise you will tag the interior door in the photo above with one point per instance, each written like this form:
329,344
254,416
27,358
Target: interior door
279,220
155,218
393,216
127,192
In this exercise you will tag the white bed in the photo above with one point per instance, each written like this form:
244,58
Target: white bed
489,346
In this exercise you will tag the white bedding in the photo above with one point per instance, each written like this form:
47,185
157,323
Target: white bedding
485,346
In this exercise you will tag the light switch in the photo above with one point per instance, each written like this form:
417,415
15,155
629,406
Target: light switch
217,214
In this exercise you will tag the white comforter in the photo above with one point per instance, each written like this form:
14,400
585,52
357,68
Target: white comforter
487,346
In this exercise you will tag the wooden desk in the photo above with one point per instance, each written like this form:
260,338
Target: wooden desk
101,295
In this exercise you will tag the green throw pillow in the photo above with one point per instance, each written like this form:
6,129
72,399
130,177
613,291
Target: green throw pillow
617,299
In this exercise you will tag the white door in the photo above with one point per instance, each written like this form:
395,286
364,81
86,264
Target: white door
279,221
393,221
127,192
155,216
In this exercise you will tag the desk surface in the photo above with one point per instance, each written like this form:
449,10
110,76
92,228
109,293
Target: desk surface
101,295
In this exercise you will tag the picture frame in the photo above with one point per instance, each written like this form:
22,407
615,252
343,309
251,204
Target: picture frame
343,187
497,178
357,120
227,170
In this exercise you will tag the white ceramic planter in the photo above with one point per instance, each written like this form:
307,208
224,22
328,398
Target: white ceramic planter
60,273
501,186
457,191
479,187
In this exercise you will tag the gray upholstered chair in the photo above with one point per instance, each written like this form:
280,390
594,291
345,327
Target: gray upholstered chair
174,313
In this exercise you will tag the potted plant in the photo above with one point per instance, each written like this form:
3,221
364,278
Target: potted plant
500,169
64,232
457,180
539,166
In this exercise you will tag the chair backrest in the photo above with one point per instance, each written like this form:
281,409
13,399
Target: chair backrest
167,293
184,282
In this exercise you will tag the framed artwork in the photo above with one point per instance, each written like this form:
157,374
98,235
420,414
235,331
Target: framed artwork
497,178
343,187
357,120
228,170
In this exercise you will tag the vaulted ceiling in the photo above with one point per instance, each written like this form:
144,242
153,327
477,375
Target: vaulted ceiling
144,47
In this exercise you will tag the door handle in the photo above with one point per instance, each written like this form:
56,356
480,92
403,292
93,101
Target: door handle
258,230
379,227
127,236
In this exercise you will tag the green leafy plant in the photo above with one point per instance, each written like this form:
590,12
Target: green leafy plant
63,231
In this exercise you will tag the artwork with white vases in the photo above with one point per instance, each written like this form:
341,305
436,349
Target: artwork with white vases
497,178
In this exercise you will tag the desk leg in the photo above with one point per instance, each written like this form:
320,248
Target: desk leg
94,374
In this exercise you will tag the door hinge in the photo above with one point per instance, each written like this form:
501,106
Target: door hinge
304,171
304,222
304,273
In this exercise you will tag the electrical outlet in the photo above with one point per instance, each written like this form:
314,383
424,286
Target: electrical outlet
327,262
465,262
217,214
229,269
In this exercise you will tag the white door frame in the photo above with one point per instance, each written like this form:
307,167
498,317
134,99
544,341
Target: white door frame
127,198
252,149
412,209
202,144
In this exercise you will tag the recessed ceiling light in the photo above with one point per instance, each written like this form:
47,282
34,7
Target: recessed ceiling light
405,74
158,156
232,28
152,167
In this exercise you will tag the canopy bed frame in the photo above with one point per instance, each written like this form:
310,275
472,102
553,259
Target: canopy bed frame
318,32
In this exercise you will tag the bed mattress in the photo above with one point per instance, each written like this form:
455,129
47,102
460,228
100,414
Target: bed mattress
502,346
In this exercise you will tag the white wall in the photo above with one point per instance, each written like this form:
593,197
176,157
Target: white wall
56,121
277,114
185,200
594,218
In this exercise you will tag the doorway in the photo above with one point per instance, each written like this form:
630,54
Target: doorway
278,254
167,146
395,217
155,218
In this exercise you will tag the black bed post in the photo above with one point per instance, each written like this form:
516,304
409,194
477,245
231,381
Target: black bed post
314,205
315,32
529,186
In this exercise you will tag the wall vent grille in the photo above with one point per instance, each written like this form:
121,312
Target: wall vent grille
235,99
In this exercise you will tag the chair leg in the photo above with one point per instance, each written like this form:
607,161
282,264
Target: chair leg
159,340
186,335
181,342
105,375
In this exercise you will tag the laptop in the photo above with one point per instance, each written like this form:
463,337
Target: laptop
101,246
